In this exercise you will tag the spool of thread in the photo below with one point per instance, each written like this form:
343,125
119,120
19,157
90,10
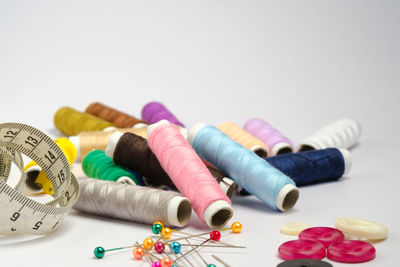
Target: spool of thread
189,174
276,141
155,111
98,140
133,152
37,180
132,203
314,166
244,138
118,118
97,165
71,122
247,169
343,133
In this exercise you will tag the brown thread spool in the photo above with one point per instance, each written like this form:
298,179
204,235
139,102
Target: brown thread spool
120,119
85,142
244,138
71,122
132,151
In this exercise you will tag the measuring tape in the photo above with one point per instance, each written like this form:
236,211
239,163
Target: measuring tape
20,214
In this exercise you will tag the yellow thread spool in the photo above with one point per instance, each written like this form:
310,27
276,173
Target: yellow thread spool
41,180
244,138
71,122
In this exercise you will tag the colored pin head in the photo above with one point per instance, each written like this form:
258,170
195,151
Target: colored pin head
156,264
236,227
148,243
138,253
159,247
99,252
215,235
158,222
176,247
157,228
166,262
166,232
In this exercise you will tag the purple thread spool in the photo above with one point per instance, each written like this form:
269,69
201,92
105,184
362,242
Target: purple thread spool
276,141
155,111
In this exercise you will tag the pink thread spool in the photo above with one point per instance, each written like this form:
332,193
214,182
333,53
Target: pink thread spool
276,141
190,175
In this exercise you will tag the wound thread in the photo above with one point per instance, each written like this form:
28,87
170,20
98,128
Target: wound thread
132,203
244,138
275,140
155,111
97,140
133,152
189,174
116,117
71,122
97,165
247,169
312,166
37,179
343,133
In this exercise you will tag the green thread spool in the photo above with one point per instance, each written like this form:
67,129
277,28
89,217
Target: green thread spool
97,165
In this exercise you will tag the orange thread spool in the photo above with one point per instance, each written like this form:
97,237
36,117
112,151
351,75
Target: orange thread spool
244,138
118,118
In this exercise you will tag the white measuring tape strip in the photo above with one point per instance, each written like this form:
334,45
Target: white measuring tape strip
18,213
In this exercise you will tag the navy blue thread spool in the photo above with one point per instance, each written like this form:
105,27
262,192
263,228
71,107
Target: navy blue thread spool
311,167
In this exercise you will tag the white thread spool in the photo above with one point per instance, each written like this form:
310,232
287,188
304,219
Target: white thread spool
343,133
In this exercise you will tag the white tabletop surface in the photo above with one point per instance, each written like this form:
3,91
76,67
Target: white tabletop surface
297,64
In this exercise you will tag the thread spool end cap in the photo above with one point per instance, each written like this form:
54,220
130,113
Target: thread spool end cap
194,130
281,148
261,151
151,127
125,180
112,143
179,211
347,160
76,141
287,197
140,125
217,214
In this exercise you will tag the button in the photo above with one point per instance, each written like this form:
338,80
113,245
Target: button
301,249
304,263
362,229
351,251
324,235
294,228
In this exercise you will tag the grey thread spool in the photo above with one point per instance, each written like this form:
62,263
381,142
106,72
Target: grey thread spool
132,203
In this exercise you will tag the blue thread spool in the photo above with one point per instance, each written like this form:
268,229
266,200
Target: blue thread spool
313,166
247,169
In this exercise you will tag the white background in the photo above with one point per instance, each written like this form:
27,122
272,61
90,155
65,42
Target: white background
297,64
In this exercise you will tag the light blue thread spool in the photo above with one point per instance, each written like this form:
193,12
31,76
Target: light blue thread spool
247,169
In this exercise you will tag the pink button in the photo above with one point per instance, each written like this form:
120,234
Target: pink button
351,251
324,235
301,249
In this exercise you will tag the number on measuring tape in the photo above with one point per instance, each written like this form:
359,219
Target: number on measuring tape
21,214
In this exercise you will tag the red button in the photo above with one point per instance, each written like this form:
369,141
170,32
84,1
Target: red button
351,251
301,249
324,235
